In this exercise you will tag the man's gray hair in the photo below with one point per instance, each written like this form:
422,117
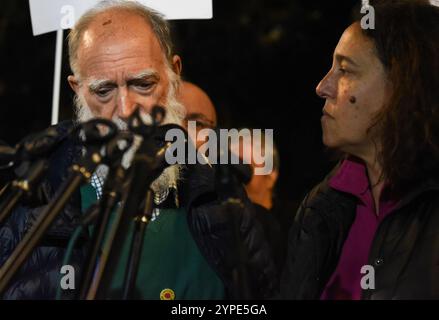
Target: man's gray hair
158,24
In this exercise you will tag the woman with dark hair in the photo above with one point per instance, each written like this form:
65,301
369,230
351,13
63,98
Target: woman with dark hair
370,230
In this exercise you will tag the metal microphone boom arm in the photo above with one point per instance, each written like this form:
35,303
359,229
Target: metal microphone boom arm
31,159
80,173
148,163
112,193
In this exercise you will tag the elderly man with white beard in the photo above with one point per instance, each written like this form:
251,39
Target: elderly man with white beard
121,57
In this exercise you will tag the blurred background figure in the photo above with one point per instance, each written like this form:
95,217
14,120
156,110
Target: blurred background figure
199,108
276,218
261,188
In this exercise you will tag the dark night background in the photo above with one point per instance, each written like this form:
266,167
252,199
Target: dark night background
259,60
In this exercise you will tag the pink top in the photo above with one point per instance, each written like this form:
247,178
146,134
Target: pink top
345,282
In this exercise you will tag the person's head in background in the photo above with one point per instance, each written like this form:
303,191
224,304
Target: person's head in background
382,98
261,187
199,108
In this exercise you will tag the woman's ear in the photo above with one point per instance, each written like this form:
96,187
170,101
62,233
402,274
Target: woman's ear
176,64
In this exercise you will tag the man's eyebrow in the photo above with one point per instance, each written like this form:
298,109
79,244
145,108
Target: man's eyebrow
97,83
145,74
340,58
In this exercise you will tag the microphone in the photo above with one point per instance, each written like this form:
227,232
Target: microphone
79,173
148,163
32,147
23,166
112,193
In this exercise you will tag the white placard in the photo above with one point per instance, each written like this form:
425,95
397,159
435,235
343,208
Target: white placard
52,15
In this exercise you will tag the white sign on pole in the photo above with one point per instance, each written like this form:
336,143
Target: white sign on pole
52,15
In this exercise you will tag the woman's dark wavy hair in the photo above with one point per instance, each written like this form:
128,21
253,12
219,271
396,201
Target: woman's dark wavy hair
406,37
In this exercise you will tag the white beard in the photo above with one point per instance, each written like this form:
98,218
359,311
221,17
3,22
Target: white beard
175,113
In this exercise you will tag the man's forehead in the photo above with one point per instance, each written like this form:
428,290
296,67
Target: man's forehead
118,27
104,51
115,21
124,63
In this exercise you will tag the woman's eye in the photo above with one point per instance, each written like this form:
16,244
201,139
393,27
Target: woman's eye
343,70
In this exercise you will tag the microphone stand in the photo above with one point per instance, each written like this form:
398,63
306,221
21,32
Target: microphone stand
20,187
140,224
157,164
34,147
148,164
80,172
5,189
112,194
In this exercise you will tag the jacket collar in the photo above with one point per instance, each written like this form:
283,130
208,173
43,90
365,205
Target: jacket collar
419,187
64,156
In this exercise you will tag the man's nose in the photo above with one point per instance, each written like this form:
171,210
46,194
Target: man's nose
326,88
126,103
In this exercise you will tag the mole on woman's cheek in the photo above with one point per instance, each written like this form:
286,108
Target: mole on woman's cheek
352,99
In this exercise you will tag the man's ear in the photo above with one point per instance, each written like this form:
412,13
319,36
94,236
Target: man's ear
176,64
74,83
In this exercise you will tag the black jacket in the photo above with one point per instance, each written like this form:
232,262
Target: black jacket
274,231
404,253
209,224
